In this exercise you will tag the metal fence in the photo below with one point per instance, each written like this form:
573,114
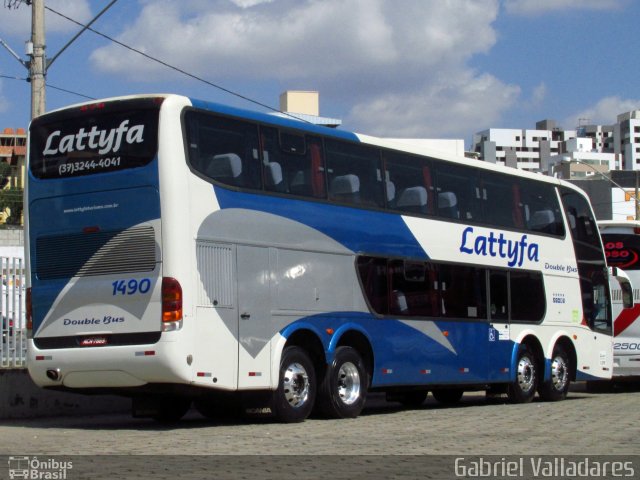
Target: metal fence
13,348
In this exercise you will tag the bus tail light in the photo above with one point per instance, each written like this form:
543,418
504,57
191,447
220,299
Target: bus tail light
171,303
29,311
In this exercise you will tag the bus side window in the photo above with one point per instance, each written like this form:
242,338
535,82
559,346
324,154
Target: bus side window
497,198
355,175
541,209
292,164
459,192
224,150
408,182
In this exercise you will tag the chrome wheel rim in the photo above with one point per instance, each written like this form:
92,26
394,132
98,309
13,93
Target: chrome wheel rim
526,374
559,373
296,385
348,383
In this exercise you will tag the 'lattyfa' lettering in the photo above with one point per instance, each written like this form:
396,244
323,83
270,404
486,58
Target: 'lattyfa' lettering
104,141
497,245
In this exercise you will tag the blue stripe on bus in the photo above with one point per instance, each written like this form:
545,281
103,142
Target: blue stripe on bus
361,231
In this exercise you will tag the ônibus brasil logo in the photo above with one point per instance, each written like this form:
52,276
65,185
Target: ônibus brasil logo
35,468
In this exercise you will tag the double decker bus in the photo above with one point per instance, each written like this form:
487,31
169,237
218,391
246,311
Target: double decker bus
621,239
182,252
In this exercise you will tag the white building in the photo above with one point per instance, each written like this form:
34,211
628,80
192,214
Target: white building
627,139
581,159
522,148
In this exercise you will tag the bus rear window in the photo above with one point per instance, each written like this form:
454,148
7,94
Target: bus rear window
91,141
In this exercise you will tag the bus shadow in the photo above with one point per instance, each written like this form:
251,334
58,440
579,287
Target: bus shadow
376,405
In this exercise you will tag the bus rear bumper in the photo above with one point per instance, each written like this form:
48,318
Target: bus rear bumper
107,367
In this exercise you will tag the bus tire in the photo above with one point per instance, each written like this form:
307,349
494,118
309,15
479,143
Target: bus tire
171,409
600,386
523,388
413,399
218,407
557,387
343,390
448,396
296,393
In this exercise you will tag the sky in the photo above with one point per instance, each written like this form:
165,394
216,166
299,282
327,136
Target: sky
391,68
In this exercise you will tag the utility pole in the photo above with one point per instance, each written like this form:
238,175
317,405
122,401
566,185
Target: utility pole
37,63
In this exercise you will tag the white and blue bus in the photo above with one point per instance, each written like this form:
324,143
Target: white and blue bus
182,251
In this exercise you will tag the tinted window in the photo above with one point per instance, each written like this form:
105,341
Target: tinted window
527,296
404,288
408,183
224,149
91,140
463,291
294,164
590,259
418,289
499,201
540,208
457,192
413,289
354,174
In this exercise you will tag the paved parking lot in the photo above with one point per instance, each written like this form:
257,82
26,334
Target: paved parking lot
584,424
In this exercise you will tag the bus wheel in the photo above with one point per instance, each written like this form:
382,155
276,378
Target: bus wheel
218,407
171,409
448,396
557,387
296,391
523,389
412,399
343,390
600,386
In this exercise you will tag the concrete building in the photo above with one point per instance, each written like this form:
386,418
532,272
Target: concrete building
627,139
581,160
13,151
305,105
522,148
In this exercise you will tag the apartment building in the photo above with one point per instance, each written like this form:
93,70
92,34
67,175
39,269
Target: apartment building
627,139
522,148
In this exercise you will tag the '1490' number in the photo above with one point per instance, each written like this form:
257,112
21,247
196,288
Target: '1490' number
131,287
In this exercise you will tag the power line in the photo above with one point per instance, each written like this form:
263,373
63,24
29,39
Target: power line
51,86
172,67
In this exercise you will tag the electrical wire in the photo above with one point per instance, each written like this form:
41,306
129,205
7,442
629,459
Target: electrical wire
177,69
25,79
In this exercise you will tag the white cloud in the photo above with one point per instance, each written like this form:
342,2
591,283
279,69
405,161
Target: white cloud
539,94
604,112
373,52
17,21
541,7
455,106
